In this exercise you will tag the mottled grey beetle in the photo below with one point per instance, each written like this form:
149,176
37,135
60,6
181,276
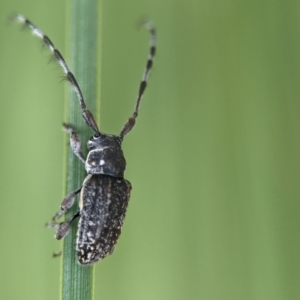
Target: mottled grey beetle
104,194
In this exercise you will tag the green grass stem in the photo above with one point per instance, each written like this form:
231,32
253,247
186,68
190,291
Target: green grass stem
77,281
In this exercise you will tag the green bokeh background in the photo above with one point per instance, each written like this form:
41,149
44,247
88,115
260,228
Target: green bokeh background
214,159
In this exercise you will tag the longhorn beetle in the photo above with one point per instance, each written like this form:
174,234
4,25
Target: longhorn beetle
104,194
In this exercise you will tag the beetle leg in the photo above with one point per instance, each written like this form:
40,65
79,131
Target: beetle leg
131,121
64,227
66,204
74,141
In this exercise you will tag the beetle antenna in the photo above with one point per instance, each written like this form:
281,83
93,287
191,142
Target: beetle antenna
131,121
86,114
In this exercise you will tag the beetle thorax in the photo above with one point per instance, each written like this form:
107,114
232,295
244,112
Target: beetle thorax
105,156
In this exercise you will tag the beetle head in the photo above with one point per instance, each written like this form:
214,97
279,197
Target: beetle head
105,156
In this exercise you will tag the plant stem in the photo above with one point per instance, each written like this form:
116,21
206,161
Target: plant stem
77,281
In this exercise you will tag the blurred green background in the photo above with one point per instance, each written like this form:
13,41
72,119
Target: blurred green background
214,159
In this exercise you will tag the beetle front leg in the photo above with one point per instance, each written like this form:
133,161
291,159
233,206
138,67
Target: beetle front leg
74,141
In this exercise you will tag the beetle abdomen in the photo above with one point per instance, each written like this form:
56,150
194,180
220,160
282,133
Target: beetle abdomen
103,204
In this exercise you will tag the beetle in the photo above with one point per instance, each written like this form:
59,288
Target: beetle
105,193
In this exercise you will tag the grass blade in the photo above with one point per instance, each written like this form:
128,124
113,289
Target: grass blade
77,281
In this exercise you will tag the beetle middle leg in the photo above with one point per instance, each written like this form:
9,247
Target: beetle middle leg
63,227
66,204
